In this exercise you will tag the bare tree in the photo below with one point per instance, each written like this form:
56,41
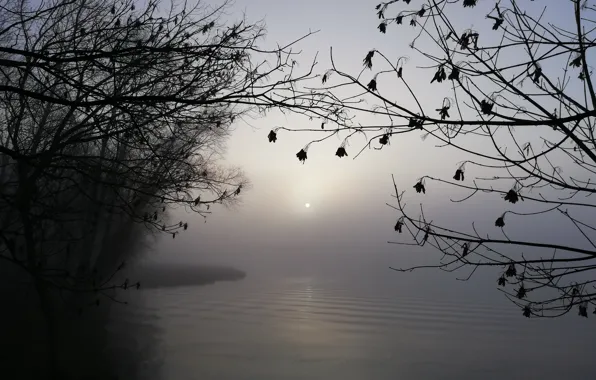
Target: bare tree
113,112
519,103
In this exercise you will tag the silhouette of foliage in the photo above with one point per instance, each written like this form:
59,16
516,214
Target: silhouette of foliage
341,152
519,105
372,85
583,310
419,186
459,175
512,196
114,112
302,155
122,116
399,225
368,59
465,248
502,281
527,311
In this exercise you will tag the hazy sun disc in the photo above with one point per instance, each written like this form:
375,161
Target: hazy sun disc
307,205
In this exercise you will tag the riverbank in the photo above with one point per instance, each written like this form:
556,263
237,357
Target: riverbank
170,275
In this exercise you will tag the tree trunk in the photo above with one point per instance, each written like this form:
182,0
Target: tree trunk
49,315
46,303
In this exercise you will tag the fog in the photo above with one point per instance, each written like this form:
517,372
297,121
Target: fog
344,239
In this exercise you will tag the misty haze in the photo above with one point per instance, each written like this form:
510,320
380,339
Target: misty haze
276,189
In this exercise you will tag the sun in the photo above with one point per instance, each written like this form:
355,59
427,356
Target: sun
307,205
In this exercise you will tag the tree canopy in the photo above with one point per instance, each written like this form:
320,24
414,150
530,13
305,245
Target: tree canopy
114,112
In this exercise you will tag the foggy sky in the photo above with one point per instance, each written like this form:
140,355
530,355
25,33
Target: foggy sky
347,227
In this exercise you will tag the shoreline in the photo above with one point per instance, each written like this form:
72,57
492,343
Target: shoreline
153,276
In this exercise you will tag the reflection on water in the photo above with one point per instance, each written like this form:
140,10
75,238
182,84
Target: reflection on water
134,341
306,329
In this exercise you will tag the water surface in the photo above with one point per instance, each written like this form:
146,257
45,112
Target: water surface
315,328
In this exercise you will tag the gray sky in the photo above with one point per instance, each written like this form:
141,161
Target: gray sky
348,224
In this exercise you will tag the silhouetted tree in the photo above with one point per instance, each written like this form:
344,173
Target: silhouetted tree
519,103
112,112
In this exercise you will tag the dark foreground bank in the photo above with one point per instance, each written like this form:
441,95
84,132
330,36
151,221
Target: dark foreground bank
91,345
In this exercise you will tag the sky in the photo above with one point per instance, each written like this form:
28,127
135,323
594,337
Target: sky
348,224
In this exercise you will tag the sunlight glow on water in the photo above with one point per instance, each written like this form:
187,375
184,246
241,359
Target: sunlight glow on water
303,329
